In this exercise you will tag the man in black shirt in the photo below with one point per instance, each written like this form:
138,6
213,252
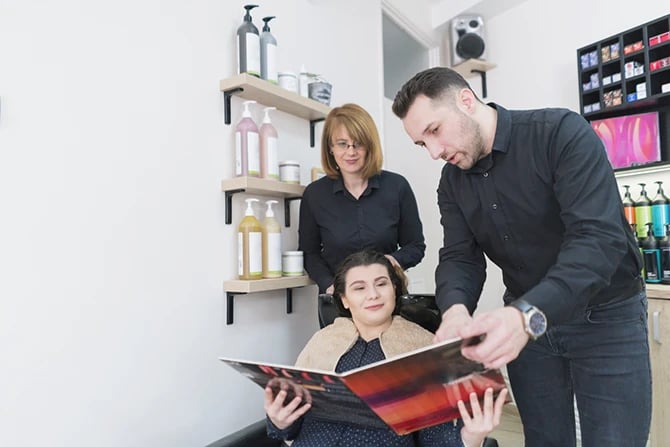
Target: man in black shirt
533,190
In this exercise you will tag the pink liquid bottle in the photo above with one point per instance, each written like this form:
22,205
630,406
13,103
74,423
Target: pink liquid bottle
269,149
247,151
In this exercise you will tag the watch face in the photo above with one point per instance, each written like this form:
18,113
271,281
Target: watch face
537,323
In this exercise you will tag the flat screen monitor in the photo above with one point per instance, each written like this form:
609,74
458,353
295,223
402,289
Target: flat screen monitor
631,140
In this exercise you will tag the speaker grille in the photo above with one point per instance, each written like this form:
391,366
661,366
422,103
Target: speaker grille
469,46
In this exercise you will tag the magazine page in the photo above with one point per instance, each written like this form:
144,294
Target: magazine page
422,388
331,399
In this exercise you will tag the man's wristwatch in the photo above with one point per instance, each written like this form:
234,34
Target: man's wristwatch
535,321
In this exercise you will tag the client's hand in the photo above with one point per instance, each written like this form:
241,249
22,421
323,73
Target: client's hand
282,416
480,423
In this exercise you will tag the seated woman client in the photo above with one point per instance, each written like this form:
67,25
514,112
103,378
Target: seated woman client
367,288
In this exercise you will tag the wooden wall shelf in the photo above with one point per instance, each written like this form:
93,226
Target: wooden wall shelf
271,95
262,187
239,287
473,67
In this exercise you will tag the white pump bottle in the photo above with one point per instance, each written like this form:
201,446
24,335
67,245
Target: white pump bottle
272,267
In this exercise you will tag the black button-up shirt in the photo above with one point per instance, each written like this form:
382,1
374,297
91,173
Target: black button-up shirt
334,224
544,206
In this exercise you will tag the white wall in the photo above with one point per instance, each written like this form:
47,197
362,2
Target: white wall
113,247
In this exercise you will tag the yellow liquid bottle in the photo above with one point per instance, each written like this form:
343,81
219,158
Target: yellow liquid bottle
249,245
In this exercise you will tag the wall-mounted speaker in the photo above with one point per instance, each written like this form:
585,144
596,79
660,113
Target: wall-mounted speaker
467,38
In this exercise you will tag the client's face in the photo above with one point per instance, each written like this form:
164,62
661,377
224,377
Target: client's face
370,296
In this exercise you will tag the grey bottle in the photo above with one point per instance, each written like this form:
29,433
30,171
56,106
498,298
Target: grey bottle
248,46
268,53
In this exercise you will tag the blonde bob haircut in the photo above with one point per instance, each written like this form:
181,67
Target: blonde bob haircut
361,129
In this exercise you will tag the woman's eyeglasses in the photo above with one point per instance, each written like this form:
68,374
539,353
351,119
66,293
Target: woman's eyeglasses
343,145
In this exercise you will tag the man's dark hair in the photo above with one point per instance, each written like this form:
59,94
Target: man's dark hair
433,83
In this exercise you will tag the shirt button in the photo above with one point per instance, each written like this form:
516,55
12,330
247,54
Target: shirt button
486,174
506,237
494,206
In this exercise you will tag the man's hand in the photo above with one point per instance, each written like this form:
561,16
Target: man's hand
505,337
453,320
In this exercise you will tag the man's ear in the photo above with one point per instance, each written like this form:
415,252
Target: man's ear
467,100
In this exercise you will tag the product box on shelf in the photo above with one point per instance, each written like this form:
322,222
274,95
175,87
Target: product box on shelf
593,58
586,86
616,77
659,38
614,51
607,80
665,88
594,80
633,47
605,53
631,97
617,97
661,63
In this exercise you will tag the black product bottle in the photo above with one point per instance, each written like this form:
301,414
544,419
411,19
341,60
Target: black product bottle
660,211
639,245
629,207
664,247
652,257
248,46
642,212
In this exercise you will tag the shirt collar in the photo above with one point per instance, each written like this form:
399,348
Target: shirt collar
373,182
500,140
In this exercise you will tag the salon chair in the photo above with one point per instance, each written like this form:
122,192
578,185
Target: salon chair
419,308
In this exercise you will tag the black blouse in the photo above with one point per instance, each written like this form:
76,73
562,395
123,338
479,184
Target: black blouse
334,224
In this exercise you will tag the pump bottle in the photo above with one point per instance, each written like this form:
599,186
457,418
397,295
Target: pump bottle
664,247
272,267
268,53
269,147
639,247
652,257
247,151
248,45
642,212
660,211
628,206
249,245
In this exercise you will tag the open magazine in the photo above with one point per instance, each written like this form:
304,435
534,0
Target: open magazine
409,392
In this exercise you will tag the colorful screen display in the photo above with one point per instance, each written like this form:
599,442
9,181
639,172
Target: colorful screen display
631,140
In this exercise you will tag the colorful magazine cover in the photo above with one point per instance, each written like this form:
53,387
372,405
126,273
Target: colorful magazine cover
409,392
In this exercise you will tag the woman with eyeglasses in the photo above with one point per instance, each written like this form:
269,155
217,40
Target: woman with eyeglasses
357,205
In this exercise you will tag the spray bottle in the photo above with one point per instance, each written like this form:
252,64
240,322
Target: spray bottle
268,53
629,206
248,46
272,267
652,256
269,147
249,245
660,211
642,212
247,152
